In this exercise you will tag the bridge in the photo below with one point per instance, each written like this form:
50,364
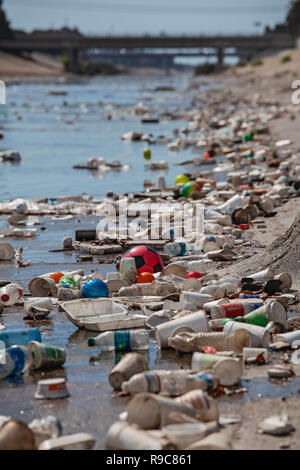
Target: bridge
141,58
245,46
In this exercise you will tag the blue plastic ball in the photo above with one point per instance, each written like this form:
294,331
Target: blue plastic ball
94,288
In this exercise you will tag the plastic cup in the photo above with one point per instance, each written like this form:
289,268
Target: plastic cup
227,370
51,389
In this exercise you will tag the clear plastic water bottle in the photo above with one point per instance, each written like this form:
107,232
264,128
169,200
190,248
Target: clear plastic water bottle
48,427
21,336
121,340
174,383
10,294
173,249
17,360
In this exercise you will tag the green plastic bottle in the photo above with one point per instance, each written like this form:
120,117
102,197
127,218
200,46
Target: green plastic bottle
256,317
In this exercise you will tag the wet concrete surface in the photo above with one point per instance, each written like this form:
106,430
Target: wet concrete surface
92,406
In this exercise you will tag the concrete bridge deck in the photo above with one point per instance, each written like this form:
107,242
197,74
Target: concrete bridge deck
73,45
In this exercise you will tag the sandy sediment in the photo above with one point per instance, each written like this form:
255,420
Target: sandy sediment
14,67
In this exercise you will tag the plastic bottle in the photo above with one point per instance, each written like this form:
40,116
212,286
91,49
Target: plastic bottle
123,340
253,318
209,243
231,204
175,382
21,336
249,296
135,290
48,427
232,310
216,291
175,249
10,294
17,360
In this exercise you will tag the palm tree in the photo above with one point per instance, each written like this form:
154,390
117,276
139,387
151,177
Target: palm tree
5,31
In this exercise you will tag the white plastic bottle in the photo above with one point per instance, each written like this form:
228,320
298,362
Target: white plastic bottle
209,243
10,294
233,309
174,382
216,291
17,360
121,340
231,204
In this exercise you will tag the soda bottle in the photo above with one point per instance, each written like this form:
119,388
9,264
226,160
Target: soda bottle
121,340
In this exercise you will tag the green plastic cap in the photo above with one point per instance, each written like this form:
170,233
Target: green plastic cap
91,341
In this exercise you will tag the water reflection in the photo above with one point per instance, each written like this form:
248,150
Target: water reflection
35,375
80,336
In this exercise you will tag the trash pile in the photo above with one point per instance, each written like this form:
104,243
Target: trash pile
203,295
24,351
227,325
41,434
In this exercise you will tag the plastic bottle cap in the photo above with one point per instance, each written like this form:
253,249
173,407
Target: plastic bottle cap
4,297
91,341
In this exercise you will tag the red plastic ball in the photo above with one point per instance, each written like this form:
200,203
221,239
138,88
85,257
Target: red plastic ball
194,274
147,260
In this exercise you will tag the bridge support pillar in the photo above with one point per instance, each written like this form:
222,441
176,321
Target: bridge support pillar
220,63
73,62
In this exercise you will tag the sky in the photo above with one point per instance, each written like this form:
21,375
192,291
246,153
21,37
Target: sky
152,16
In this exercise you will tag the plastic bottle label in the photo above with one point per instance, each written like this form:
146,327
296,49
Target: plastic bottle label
249,296
49,355
153,382
255,306
207,379
18,357
122,341
233,310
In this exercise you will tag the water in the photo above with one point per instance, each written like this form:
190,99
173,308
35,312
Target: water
35,124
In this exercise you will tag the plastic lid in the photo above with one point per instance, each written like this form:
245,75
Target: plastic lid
4,297
91,341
